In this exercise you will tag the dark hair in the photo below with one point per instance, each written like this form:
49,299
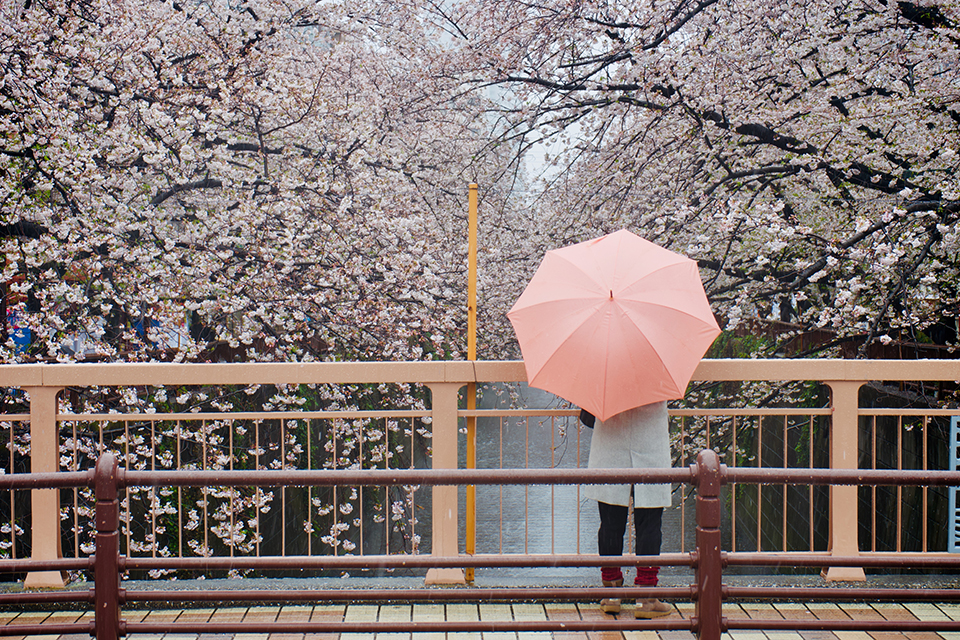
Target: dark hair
587,418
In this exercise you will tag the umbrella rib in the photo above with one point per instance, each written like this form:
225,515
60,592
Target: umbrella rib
577,266
657,270
683,312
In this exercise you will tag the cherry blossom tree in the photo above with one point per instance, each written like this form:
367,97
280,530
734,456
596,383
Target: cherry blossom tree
273,179
260,180
805,153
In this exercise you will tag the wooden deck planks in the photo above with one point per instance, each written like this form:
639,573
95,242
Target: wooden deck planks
891,612
429,613
463,613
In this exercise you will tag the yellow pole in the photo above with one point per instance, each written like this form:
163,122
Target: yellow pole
471,506
472,278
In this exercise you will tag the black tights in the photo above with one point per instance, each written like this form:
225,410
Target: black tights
613,524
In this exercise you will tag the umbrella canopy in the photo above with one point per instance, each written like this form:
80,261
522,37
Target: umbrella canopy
613,323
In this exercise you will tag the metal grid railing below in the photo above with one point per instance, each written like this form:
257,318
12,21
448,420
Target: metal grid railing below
707,560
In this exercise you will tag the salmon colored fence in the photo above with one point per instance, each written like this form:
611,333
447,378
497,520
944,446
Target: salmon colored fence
812,414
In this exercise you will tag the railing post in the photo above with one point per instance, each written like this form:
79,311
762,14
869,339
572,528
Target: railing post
844,454
708,611
106,571
44,503
445,530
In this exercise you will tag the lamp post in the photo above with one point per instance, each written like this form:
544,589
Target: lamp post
471,491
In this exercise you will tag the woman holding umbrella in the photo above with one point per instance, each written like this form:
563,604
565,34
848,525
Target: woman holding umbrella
636,438
617,326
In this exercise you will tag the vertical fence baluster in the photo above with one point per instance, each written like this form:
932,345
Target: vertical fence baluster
810,487
127,495
873,488
414,545
844,434
759,486
76,494
579,464
154,491
709,570
180,490
235,493
526,487
106,570
500,524
383,491
13,494
926,498
444,514
553,501
783,490
361,428
283,491
258,491
309,488
733,491
683,487
45,503
899,450
334,425
205,492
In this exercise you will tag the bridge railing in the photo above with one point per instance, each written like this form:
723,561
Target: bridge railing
108,597
59,436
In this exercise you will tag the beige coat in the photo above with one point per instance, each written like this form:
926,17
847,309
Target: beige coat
639,439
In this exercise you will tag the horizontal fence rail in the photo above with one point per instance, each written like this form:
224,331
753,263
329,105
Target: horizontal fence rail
707,560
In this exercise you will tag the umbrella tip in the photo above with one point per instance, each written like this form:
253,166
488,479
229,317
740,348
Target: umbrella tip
611,294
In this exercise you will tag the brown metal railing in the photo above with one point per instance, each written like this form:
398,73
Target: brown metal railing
707,560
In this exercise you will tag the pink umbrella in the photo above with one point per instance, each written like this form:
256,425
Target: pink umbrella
613,323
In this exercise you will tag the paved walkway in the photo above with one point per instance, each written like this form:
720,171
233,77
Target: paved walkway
549,611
